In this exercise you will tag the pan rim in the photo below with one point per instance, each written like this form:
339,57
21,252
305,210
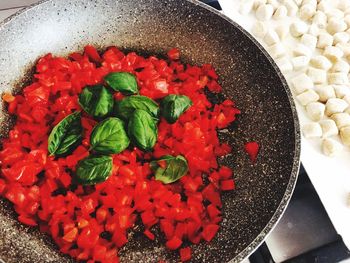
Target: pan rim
252,246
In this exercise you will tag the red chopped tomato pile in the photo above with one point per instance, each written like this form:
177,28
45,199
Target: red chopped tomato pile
91,223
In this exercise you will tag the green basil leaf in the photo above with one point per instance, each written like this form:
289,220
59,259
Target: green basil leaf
125,108
94,169
124,82
109,137
172,106
142,130
176,167
66,135
97,101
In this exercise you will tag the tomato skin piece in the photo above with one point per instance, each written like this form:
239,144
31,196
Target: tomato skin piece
149,234
27,220
173,243
185,254
252,148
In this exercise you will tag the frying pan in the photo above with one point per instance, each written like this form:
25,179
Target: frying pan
247,74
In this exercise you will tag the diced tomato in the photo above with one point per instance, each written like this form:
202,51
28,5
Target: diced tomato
185,254
173,243
71,235
174,54
227,185
91,222
209,232
92,53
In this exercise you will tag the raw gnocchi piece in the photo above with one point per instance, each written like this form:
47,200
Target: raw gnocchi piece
258,3
318,76
280,13
341,37
282,31
341,91
298,2
309,40
274,3
341,119
331,147
347,20
325,92
298,28
321,62
259,29
264,12
341,66
335,105
333,53
320,19
307,97
324,40
286,67
271,37
312,130
300,62
302,50
301,83
324,6
343,5
291,7
307,11
310,2
345,135
334,13
246,7
347,99
277,50
315,110
329,128
314,30
284,64
336,25
345,47
339,78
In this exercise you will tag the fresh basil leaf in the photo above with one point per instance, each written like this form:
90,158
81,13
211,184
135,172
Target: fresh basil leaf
172,106
125,108
109,137
176,167
124,82
66,135
142,130
94,169
97,101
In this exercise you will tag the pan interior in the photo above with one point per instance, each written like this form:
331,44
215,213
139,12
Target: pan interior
247,75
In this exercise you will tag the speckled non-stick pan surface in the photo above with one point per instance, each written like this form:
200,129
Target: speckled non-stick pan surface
248,76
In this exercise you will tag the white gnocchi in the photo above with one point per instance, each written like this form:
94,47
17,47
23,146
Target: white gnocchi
329,128
315,110
331,147
312,130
